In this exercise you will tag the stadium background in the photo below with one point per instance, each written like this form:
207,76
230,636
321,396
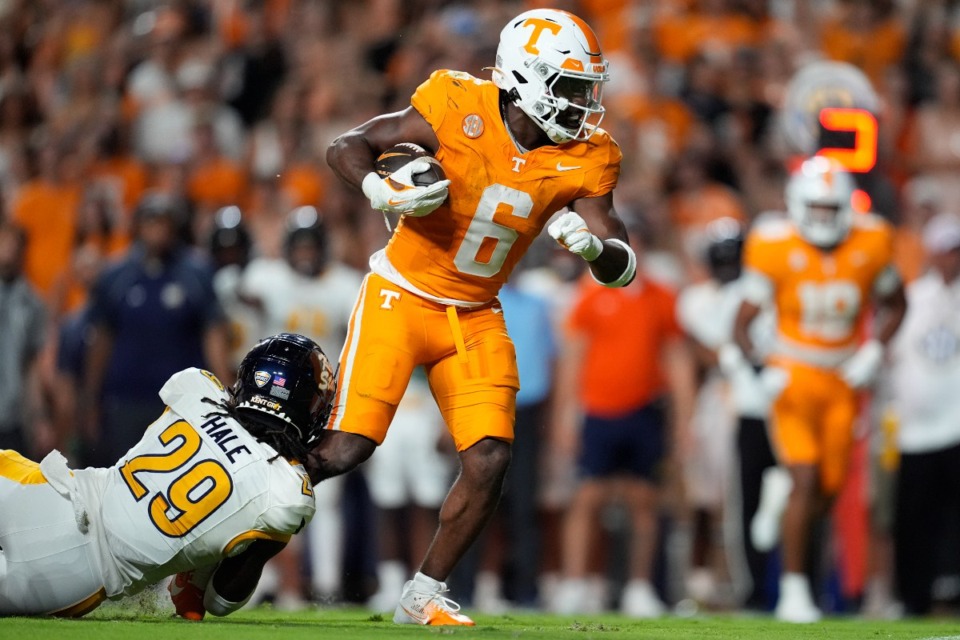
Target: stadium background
233,103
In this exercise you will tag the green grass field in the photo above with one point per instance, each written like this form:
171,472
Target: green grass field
134,621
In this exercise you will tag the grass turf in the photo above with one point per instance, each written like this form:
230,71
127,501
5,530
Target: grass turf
133,620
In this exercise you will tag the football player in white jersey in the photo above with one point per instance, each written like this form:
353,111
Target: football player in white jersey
231,247
731,408
211,492
309,293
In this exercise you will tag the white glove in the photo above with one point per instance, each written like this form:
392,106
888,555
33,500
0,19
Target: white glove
396,193
862,367
573,235
753,392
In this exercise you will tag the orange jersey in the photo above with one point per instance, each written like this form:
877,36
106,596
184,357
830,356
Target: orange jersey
820,296
499,198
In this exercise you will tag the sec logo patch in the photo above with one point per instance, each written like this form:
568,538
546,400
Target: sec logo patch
473,126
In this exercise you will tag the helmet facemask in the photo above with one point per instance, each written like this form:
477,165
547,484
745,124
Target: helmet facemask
550,65
820,201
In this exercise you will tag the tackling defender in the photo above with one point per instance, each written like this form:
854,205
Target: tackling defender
212,491
515,151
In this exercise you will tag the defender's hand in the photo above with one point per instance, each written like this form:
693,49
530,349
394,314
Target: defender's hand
573,235
862,367
396,193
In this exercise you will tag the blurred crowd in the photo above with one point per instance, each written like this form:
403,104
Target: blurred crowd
164,201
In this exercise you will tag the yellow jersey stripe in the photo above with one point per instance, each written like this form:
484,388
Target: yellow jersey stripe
83,607
14,466
255,535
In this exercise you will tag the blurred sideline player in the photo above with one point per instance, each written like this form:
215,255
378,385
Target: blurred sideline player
210,493
821,269
308,293
231,248
515,151
407,479
730,407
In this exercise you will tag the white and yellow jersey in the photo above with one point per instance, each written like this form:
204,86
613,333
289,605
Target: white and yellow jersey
317,307
195,489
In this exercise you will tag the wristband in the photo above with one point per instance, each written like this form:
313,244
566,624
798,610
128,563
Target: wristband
628,272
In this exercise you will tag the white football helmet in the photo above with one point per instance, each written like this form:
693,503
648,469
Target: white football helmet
819,199
549,63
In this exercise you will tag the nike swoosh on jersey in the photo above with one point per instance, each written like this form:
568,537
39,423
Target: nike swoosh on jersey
561,167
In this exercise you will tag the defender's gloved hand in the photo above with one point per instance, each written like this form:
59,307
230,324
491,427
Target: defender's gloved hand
573,235
396,193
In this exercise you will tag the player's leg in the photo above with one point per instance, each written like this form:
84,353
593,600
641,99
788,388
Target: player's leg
475,388
468,506
47,566
521,490
917,529
474,381
755,457
598,457
384,339
794,420
325,535
642,450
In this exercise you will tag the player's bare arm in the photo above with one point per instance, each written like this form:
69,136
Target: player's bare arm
237,577
352,155
891,310
741,326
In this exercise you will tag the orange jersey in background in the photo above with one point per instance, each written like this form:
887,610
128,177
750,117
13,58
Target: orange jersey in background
820,295
821,298
500,198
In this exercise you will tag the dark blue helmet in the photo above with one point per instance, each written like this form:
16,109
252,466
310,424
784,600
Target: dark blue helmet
725,249
305,225
229,242
285,386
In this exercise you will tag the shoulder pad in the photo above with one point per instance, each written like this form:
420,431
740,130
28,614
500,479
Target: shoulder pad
193,383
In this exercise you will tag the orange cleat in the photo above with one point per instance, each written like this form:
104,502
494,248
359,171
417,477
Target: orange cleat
420,604
187,597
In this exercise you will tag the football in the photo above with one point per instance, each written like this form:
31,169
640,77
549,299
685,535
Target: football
399,155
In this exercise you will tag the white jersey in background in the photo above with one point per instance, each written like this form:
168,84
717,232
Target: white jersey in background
924,375
706,311
246,322
195,489
317,307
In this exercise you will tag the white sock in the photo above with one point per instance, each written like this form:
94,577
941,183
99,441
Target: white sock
427,581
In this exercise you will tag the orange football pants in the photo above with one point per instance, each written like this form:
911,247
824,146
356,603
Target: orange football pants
469,359
812,422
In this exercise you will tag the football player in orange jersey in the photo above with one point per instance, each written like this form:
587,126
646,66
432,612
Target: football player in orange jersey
822,268
515,151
